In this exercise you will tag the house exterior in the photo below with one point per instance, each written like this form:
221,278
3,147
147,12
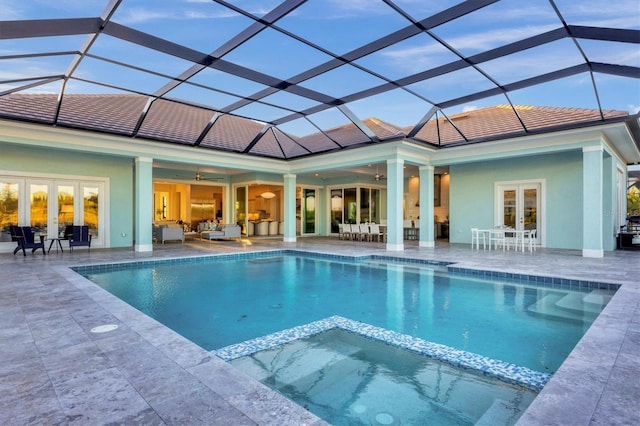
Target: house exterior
565,175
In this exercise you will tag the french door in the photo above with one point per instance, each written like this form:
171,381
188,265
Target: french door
48,204
520,205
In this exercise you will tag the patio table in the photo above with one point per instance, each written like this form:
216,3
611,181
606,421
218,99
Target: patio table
517,234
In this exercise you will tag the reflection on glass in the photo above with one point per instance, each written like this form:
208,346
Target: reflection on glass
65,206
8,208
90,209
309,211
509,208
369,200
241,206
530,209
39,212
364,205
374,211
336,209
350,206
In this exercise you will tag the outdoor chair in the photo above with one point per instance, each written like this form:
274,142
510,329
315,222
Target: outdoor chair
497,238
476,236
68,232
25,238
530,239
80,237
344,231
374,232
361,232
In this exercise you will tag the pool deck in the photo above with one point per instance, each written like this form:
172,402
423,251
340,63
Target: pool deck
54,370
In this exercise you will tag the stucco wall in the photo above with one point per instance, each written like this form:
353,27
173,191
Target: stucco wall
472,195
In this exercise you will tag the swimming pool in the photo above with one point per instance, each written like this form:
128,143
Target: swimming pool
221,300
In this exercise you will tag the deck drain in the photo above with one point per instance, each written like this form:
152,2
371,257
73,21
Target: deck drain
104,328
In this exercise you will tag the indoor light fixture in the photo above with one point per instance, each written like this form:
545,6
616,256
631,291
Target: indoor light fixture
267,195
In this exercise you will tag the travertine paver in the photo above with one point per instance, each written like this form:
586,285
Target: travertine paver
53,370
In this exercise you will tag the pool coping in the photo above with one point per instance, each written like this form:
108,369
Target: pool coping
503,371
507,372
540,280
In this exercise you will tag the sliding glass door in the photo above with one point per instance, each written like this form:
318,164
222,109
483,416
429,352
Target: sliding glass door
308,213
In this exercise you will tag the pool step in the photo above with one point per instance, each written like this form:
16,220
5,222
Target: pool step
548,306
573,305
598,297
576,302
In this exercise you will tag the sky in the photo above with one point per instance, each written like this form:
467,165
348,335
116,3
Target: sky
333,27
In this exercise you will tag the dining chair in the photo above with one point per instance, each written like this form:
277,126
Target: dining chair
476,235
530,239
363,232
497,238
374,232
342,231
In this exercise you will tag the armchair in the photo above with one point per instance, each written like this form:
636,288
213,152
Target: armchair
80,237
25,238
169,232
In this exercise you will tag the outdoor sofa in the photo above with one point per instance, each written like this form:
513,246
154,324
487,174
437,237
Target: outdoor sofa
222,232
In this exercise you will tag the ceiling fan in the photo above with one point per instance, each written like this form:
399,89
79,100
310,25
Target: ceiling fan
199,176
378,177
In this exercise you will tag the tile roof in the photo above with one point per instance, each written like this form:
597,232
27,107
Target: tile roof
170,121
500,121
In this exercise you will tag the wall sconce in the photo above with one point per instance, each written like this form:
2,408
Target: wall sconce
267,195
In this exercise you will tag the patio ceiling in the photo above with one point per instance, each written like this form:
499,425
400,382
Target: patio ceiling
293,78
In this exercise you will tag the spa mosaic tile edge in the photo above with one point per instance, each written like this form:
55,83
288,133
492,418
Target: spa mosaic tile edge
506,372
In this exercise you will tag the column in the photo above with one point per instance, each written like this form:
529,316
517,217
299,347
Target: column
289,208
592,202
426,206
227,207
143,215
395,192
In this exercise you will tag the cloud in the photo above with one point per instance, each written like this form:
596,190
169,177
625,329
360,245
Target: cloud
634,109
142,15
468,108
11,10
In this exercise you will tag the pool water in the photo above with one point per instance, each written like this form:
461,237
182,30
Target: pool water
222,302
348,379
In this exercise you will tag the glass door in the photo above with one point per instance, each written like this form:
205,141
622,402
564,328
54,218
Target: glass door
66,201
9,207
39,207
308,213
48,206
519,205
241,208
336,210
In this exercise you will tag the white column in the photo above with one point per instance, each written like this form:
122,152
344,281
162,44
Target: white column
426,206
143,216
592,202
228,207
395,192
289,208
